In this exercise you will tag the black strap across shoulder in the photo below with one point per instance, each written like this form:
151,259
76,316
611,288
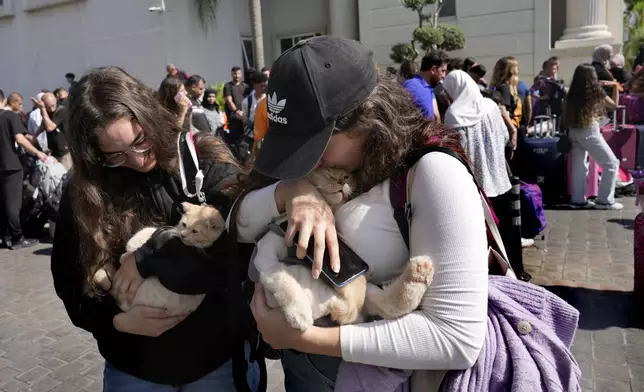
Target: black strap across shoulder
398,186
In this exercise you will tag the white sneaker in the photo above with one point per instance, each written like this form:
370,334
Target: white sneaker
527,242
614,206
589,204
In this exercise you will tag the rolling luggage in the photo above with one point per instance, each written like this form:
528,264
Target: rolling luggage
539,161
533,217
639,150
638,254
622,139
634,109
593,177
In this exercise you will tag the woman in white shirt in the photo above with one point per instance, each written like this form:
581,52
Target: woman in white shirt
328,107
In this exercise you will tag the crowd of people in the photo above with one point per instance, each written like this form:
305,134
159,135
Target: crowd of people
575,110
36,134
326,106
196,107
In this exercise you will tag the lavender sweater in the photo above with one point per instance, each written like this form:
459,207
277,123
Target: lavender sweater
527,348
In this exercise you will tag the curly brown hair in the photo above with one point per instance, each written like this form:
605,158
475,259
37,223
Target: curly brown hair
585,99
110,204
393,127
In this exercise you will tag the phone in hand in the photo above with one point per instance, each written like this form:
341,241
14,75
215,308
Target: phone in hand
351,265
180,96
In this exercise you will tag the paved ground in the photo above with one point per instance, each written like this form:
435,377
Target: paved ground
586,257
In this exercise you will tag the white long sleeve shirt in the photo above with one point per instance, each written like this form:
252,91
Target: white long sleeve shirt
448,225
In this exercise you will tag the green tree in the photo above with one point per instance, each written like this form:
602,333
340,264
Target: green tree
429,35
634,19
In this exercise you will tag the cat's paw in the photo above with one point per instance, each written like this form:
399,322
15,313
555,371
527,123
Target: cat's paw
420,270
299,318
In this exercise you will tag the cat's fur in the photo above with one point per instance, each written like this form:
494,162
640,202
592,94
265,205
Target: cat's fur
200,226
303,299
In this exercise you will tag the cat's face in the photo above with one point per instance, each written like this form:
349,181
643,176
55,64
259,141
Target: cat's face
334,184
200,225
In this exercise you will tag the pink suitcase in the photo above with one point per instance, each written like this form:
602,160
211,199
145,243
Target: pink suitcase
638,254
622,139
634,109
593,177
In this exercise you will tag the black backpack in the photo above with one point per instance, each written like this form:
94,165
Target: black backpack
557,98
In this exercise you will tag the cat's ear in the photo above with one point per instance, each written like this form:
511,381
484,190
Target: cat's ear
216,221
185,207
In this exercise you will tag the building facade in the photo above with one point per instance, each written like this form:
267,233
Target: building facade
42,40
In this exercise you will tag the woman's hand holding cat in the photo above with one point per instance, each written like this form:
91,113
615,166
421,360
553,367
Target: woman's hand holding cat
146,321
309,214
271,322
126,280
280,335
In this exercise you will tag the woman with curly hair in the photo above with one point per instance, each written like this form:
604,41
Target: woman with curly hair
126,176
585,104
348,116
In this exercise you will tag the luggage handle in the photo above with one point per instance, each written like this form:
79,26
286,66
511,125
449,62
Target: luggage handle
539,121
619,108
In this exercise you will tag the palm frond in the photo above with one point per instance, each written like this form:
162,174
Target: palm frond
206,11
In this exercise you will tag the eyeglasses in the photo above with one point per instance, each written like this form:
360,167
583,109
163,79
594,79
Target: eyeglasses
140,146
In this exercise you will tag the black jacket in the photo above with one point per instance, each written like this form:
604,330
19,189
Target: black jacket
192,349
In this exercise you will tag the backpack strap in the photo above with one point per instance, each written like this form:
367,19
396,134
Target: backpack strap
189,167
399,193
240,318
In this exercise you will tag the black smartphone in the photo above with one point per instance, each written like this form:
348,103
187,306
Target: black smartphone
351,265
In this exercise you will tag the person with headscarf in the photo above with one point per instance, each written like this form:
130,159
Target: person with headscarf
617,64
601,62
216,118
484,136
483,131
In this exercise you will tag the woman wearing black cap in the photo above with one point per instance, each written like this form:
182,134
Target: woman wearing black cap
328,107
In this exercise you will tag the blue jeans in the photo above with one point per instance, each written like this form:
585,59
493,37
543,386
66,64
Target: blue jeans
308,372
220,380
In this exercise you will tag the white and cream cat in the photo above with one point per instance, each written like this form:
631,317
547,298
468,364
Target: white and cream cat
303,299
200,226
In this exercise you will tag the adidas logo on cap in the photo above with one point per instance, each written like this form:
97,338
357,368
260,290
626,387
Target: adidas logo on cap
275,107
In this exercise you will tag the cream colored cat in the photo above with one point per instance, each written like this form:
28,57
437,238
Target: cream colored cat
304,299
200,226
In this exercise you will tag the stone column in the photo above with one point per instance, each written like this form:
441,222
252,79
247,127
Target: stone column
585,24
343,18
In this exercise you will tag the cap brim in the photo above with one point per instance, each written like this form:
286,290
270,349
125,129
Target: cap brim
287,157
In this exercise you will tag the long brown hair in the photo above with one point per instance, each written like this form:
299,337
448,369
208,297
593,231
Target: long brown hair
167,91
504,73
110,203
393,127
585,99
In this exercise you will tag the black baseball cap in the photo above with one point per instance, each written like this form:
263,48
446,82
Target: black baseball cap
312,85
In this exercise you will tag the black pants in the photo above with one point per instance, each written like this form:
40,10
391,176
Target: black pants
510,233
10,203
